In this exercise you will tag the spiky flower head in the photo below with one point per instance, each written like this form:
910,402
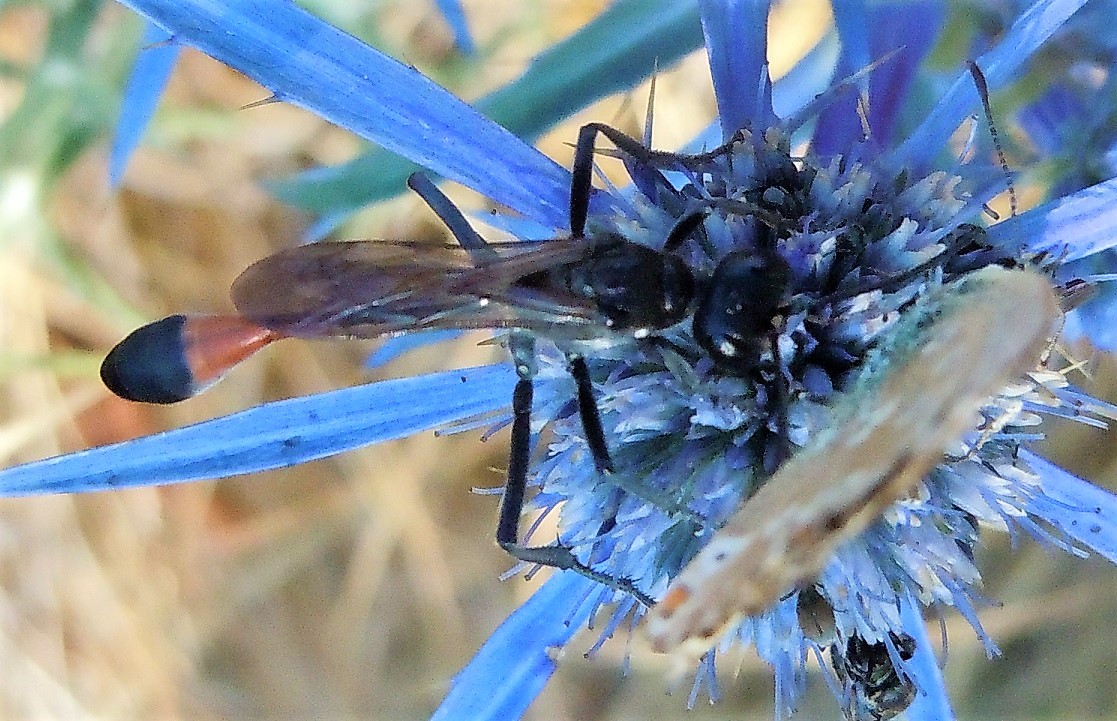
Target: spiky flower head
850,245
839,245
846,232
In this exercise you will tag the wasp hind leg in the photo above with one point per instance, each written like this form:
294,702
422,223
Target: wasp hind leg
468,238
590,415
519,457
780,399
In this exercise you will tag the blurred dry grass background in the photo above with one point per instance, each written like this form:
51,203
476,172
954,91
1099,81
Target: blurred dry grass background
353,587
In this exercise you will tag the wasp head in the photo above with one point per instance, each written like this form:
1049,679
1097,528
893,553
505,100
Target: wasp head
736,317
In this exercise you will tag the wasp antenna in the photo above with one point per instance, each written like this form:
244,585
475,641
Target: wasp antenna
983,93
180,356
684,227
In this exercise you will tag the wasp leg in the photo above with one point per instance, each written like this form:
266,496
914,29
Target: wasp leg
590,415
781,398
519,454
966,248
594,433
581,185
512,501
468,238
684,228
631,146
581,181
664,159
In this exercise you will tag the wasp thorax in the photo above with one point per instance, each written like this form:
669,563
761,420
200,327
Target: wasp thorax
635,287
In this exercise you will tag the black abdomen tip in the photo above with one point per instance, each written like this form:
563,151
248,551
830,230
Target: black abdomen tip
150,365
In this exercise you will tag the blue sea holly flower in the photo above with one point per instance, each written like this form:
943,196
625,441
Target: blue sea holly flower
812,241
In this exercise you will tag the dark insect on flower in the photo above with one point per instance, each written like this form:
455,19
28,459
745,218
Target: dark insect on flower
741,284
796,407
586,293
874,684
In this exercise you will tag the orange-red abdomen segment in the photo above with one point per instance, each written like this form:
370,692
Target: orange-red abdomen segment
216,343
179,356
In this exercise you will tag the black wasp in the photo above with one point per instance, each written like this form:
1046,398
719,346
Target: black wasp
584,292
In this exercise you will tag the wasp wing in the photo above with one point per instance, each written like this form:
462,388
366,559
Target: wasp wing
371,288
